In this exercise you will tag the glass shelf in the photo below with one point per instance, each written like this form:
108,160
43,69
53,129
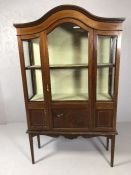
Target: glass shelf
33,67
71,97
65,97
37,97
104,97
105,65
62,97
67,66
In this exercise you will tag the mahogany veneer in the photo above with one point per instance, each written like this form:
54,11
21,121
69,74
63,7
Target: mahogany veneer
92,114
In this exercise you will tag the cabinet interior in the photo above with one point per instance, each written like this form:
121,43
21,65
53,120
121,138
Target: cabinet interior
68,65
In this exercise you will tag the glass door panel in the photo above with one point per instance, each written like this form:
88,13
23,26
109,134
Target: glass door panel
105,83
32,52
33,69
29,83
34,85
69,84
106,51
68,62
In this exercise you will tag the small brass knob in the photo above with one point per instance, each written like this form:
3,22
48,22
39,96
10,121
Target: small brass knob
60,115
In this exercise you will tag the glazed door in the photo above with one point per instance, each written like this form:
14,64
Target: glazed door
69,54
106,68
33,80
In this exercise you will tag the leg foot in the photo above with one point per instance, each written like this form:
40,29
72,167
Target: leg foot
31,148
112,150
38,140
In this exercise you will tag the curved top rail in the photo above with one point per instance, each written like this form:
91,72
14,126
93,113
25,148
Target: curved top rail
69,7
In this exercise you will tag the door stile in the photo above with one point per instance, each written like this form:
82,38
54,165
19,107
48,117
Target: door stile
94,73
117,67
45,72
90,77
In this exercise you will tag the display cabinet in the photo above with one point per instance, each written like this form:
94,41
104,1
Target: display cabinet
70,70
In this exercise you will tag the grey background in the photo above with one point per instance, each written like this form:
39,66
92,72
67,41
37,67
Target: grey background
17,11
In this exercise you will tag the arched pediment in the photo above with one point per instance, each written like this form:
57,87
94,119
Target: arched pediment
64,12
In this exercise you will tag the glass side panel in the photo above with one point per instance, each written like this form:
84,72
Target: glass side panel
26,53
29,84
69,84
106,53
32,52
106,49
105,83
68,44
32,59
34,85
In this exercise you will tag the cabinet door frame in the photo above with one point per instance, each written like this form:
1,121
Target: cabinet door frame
42,105
90,56
112,104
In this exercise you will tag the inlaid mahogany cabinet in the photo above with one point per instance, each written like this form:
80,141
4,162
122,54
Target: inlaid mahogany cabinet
70,68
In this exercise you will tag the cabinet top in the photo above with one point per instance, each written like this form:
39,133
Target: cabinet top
76,12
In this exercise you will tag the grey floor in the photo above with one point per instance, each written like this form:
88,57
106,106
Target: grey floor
60,156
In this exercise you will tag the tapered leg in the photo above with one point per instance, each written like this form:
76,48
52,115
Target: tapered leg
107,146
31,147
112,150
38,140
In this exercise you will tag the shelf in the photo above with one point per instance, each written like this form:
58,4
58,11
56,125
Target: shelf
37,97
33,67
61,97
103,97
66,97
68,66
105,65
70,97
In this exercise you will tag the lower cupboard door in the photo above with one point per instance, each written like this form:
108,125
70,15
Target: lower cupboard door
37,119
70,118
104,119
